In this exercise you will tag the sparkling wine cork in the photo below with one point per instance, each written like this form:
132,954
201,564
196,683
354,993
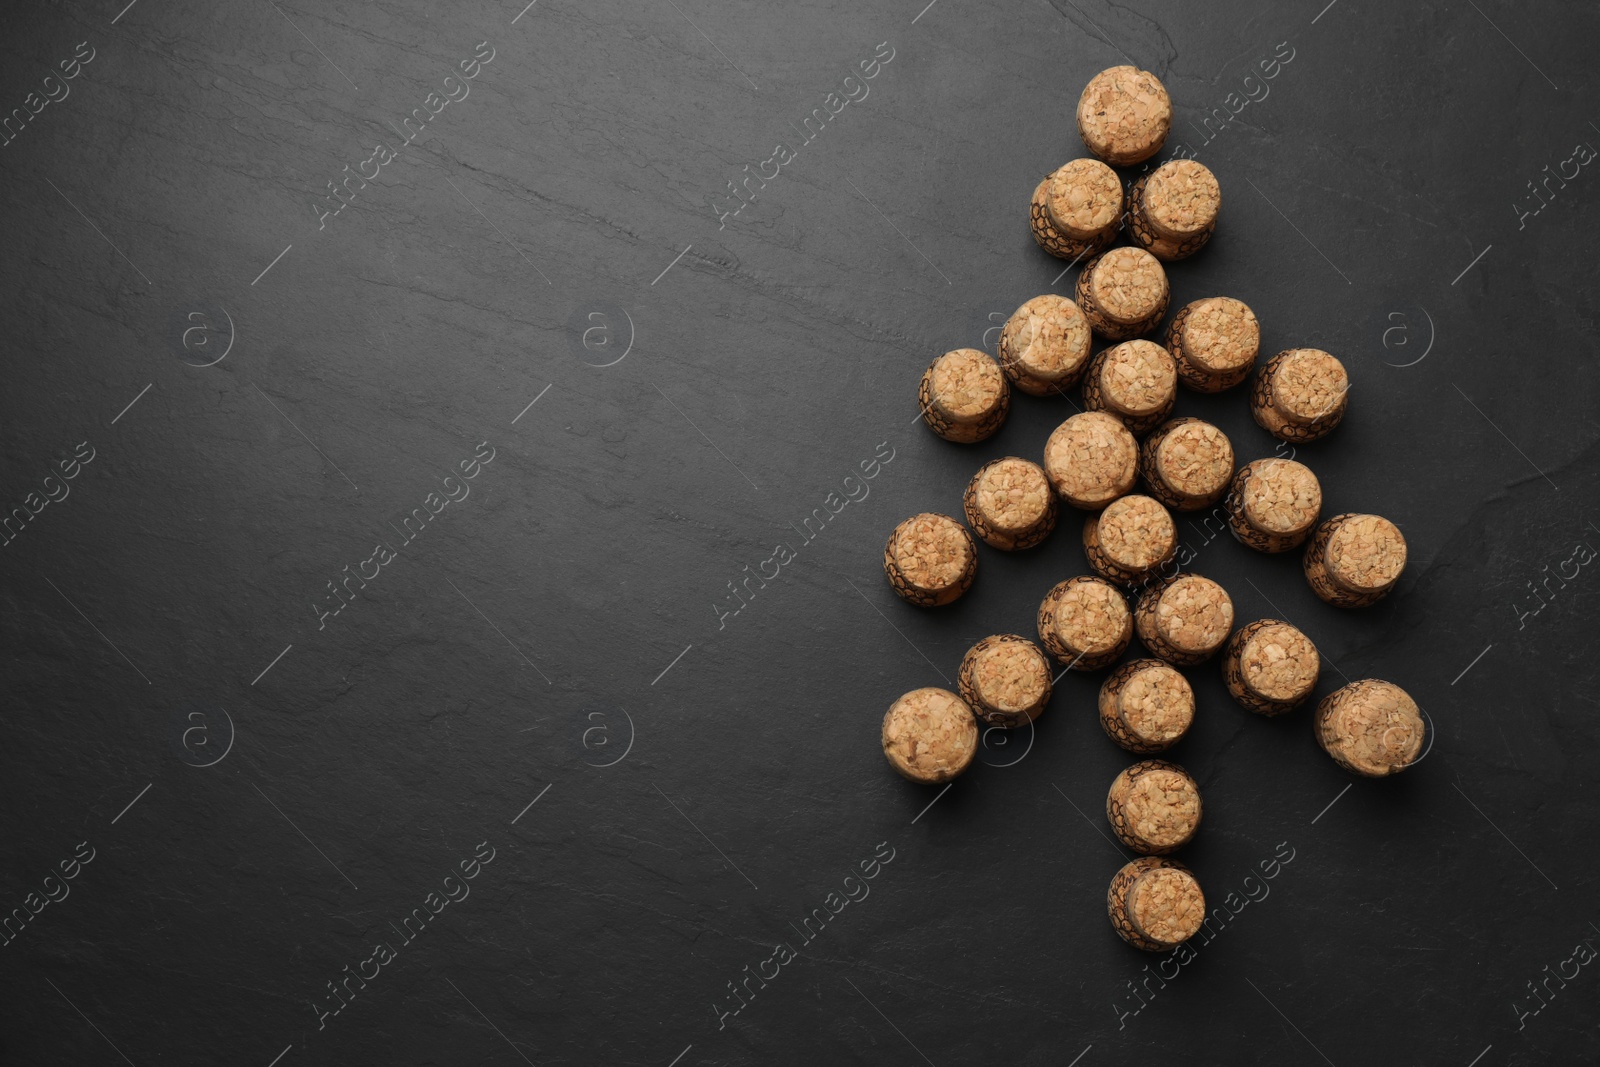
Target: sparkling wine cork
1077,209
1124,115
1273,504
1044,345
930,735
1300,394
1371,728
964,396
930,559
1187,464
1137,381
1091,459
1155,904
1215,342
1184,619
1006,680
1354,560
1270,667
1154,807
1146,706
1130,540
1123,293
1172,211
1084,623
1010,504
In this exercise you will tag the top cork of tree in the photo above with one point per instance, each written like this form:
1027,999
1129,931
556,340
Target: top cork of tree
1124,115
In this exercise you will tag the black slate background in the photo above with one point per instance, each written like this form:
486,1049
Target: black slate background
525,638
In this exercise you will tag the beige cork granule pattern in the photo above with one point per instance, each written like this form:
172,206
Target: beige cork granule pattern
1091,459
1154,807
1136,533
1085,622
1156,704
1006,679
1279,663
1192,460
1371,727
1119,905
1053,240
1124,115
1281,496
1012,494
1365,553
1127,285
1220,336
1084,198
966,383
1308,385
930,735
1191,614
1136,377
1181,199
931,552
1166,905
1044,345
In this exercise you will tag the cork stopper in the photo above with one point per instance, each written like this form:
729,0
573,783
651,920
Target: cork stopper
1185,619
1181,199
1136,380
1091,459
1124,115
1371,728
1275,504
1215,342
930,735
1044,345
1355,559
1270,667
1155,904
1057,242
1129,539
964,396
930,559
1300,394
1126,286
1146,706
1187,464
1006,680
1084,622
1084,198
1154,807
1009,504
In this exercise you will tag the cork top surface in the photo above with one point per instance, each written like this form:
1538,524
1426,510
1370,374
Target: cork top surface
1013,494
1138,377
1136,532
1011,674
930,735
1182,198
1165,904
1091,616
1194,457
1091,458
1279,663
966,383
1366,552
1161,806
1378,728
1157,703
1281,496
1047,337
931,551
1221,334
1084,198
1309,384
1124,115
1194,614
1127,284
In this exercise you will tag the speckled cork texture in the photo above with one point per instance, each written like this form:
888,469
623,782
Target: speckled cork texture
1137,381
1146,706
964,396
930,735
1273,504
1130,540
1084,623
1154,807
1123,293
1044,345
1056,242
1184,619
1091,459
1215,342
1270,667
1187,464
1010,504
1354,560
1006,680
1300,395
1172,211
1124,115
1077,210
1155,904
1371,728
930,559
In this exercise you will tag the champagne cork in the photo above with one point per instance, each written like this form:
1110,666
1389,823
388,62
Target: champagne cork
930,559
1154,807
1124,115
1077,209
1146,706
1371,727
1187,464
1215,342
1137,381
1044,345
1273,504
930,735
1006,680
1155,904
1091,459
1184,619
964,396
1123,293
1270,667
1010,504
1084,623
1172,211
1130,540
1354,560
1300,394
